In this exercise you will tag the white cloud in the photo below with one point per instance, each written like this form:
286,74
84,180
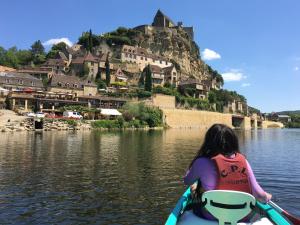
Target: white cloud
296,68
246,84
233,75
54,41
208,54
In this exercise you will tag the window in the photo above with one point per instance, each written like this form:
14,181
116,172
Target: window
76,85
32,83
126,55
59,84
6,80
134,56
67,85
166,63
142,58
145,58
154,60
160,61
20,81
129,50
125,49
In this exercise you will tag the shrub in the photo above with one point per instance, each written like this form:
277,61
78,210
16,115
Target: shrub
106,124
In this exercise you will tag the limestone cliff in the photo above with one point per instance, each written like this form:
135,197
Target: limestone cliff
174,44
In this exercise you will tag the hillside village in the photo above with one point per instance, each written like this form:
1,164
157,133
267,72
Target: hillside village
108,70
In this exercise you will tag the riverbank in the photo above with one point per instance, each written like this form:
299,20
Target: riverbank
10,122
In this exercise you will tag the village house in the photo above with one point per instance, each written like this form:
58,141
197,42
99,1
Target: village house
89,62
118,81
142,57
15,81
158,76
41,72
171,75
72,85
195,87
20,83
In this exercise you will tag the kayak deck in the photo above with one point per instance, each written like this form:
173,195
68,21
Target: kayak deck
181,216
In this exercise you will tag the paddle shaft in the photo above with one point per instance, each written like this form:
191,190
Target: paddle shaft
293,219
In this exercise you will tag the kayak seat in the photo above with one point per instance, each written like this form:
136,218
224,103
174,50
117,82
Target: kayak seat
228,206
189,218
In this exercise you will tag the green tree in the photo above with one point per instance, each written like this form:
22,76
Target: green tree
148,78
59,47
100,84
11,59
89,40
37,48
24,57
107,71
85,71
38,52
212,97
142,79
2,55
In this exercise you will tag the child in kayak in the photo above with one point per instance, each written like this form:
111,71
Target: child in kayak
219,165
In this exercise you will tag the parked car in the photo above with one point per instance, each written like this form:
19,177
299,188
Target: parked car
30,114
40,115
71,114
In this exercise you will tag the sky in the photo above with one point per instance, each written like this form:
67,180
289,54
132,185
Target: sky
254,44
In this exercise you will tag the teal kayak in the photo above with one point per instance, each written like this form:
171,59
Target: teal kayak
181,215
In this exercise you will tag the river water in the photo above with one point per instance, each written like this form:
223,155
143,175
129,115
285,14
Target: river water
126,177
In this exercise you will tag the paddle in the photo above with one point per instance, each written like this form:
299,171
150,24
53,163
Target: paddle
293,219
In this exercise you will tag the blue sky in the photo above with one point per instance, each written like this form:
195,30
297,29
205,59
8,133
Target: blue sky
255,43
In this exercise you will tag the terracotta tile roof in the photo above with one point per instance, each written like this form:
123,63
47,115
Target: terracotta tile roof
168,70
87,58
156,69
90,58
54,62
5,68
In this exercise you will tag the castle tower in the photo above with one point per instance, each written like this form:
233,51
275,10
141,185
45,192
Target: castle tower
161,20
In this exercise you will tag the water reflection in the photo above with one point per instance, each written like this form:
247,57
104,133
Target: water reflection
124,177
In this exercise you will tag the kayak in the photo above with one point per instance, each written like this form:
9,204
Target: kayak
265,215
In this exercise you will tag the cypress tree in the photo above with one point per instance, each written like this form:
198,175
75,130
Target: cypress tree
90,41
142,78
107,71
148,79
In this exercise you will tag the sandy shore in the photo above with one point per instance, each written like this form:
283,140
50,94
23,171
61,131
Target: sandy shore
6,115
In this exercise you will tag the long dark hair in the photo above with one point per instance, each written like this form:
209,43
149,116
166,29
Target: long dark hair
219,139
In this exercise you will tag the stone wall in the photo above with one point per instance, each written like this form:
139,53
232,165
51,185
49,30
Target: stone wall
163,101
180,118
271,124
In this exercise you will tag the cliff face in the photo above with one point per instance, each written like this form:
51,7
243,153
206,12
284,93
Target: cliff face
174,44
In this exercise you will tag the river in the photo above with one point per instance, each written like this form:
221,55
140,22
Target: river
125,177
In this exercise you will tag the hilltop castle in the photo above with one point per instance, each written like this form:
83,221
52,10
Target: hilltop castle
162,21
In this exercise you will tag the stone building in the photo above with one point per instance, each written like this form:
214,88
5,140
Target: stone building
171,75
72,85
197,89
88,61
15,81
142,57
158,76
161,20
